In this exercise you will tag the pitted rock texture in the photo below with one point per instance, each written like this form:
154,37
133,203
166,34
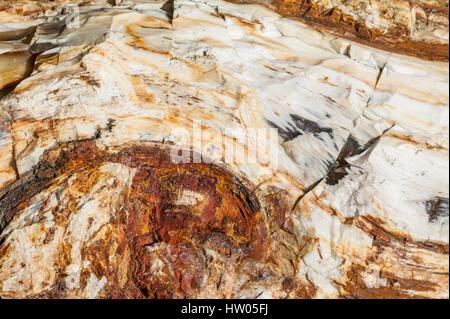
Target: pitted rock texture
92,206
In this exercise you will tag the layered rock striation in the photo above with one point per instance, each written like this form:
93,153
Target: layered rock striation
344,194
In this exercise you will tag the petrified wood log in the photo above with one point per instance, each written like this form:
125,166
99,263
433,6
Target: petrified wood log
344,194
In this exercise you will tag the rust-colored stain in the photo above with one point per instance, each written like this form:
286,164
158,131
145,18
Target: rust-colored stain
153,226
396,288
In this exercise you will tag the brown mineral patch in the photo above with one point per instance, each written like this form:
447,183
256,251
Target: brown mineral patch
396,288
410,140
90,80
382,237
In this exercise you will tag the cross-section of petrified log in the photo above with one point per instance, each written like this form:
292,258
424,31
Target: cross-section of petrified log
133,164
137,225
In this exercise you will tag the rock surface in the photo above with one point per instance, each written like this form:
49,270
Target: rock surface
413,27
344,195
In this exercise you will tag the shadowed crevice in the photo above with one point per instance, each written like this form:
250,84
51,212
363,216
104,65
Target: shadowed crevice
169,8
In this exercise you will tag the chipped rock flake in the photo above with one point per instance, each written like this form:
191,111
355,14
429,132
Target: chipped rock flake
91,205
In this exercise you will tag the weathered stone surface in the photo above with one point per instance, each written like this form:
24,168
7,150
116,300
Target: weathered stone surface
413,27
92,205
